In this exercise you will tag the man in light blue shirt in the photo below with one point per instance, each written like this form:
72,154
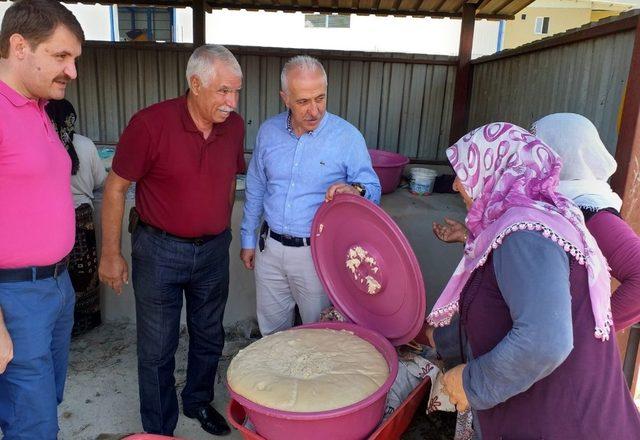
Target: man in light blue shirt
302,157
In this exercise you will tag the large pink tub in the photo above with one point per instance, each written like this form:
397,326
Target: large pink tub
388,166
353,422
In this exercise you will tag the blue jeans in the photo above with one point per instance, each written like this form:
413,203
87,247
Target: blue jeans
162,269
39,317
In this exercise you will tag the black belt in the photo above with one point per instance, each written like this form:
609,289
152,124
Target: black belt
33,273
196,240
288,240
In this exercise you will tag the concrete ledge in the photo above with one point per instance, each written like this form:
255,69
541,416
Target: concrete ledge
413,214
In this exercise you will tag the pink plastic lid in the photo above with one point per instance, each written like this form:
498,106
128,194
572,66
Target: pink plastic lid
368,268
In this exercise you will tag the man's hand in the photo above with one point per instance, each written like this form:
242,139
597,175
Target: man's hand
113,271
452,382
248,258
6,346
340,188
451,231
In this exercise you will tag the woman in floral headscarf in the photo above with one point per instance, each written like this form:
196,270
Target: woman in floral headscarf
586,169
532,296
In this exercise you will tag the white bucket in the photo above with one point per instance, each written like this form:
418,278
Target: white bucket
422,180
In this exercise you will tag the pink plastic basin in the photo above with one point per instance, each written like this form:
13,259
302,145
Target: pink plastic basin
388,166
149,437
353,422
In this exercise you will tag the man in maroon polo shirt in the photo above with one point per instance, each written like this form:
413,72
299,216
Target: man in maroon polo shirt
183,154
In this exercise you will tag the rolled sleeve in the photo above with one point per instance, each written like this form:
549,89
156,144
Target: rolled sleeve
448,342
533,277
360,169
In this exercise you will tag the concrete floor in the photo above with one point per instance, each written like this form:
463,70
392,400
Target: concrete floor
101,396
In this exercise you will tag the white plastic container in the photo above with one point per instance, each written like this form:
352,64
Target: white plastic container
422,180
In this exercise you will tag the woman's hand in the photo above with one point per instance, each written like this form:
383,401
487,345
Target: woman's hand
452,382
451,231
428,334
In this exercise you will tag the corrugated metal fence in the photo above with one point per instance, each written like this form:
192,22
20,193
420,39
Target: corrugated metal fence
586,77
399,102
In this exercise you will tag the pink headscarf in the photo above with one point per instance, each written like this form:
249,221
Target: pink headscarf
512,177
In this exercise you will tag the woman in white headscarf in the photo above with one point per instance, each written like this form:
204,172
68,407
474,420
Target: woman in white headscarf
587,167
586,163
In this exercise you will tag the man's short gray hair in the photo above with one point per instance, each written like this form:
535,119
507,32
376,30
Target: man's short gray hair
304,63
201,62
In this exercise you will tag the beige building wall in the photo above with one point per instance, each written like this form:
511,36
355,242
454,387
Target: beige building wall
521,31
599,15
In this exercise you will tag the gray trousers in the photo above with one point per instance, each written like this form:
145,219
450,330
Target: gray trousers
285,276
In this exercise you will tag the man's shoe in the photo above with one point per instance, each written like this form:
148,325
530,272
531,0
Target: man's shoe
210,420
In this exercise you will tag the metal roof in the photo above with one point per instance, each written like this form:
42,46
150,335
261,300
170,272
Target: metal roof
489,9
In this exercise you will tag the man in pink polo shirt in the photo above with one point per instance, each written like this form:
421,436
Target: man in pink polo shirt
39,43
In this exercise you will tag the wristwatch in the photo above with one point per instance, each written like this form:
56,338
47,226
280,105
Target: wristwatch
360,188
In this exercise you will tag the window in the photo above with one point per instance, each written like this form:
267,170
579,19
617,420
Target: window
145,24
542,26
327,21
523,17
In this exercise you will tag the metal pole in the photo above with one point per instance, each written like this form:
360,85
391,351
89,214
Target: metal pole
461,93
631,355
199,26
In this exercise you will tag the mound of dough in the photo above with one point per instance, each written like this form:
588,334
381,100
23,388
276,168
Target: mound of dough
307,370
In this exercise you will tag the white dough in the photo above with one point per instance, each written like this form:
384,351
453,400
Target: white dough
307,370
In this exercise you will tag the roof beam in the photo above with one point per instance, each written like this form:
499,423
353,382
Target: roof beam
440,5
339,10
314,7
163,3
